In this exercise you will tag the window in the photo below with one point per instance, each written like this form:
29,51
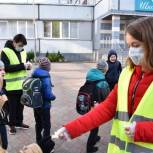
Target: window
47,29
3,29
61,29
65,29
121,36
12,28
73,30
30,29
21,27
106,26
55,29
106,36
122,26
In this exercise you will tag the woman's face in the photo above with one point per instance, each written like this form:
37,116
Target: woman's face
136,50
132,42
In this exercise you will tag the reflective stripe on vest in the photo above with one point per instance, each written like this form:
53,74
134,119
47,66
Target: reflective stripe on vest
14,80
120,142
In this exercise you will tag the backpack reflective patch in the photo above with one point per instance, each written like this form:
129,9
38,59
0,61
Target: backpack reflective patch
86,96
83,104
32,96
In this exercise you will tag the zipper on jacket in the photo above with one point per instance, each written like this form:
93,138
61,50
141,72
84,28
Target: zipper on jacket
134,90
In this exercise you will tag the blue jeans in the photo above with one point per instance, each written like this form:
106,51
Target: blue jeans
3,135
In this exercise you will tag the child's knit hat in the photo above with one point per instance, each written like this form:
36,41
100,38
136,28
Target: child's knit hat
45,63
102,65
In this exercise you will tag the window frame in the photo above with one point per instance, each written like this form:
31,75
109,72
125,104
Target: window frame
7,31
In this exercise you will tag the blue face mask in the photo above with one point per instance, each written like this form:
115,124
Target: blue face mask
136,54
19,49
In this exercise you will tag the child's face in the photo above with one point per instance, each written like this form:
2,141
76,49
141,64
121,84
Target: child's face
2,72
112,58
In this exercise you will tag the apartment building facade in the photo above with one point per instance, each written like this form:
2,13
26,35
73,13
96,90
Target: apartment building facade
77,29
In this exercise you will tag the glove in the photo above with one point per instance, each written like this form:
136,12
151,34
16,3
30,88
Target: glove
62,134
130,130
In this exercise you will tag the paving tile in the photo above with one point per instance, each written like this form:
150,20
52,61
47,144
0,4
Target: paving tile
67,78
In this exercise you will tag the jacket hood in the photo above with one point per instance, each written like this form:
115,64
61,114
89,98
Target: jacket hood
112,52
94,75
40,73
9,44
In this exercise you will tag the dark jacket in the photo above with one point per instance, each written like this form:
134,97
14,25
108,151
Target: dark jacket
46,86
4,112
114,70
102,86
9,67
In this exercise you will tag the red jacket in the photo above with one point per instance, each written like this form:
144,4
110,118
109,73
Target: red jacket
106,110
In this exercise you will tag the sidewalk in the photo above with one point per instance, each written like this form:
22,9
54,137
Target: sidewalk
67,78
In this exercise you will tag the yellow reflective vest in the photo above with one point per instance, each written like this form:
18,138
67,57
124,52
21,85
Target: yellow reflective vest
15,79
119,141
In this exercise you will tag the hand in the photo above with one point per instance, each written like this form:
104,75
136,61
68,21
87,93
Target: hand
62,134
3,100
2,150
29,65
1,82
95,105
26,66
130,130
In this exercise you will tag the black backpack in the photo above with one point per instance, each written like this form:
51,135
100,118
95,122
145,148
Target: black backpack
87,94
32,96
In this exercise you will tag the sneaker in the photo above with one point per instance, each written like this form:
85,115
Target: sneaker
97,139
47,145
92,150
22,126
12,130
52,151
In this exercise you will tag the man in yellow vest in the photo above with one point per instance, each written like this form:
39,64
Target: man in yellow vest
15,60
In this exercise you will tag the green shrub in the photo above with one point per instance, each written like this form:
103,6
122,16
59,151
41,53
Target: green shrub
55,57
30,56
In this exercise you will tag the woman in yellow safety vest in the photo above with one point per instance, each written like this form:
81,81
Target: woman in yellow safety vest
131,101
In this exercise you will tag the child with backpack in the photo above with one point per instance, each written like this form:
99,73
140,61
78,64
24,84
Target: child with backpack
3,112
42,114
100,91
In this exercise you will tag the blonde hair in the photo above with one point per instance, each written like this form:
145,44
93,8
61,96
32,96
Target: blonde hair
32,148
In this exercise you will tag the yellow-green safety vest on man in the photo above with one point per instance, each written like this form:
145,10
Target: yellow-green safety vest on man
119,141
14,80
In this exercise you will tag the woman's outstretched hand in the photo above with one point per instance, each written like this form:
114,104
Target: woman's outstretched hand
62,134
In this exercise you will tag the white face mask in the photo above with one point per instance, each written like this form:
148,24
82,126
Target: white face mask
19,49
136,54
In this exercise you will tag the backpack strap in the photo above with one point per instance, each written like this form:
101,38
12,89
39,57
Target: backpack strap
95,92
